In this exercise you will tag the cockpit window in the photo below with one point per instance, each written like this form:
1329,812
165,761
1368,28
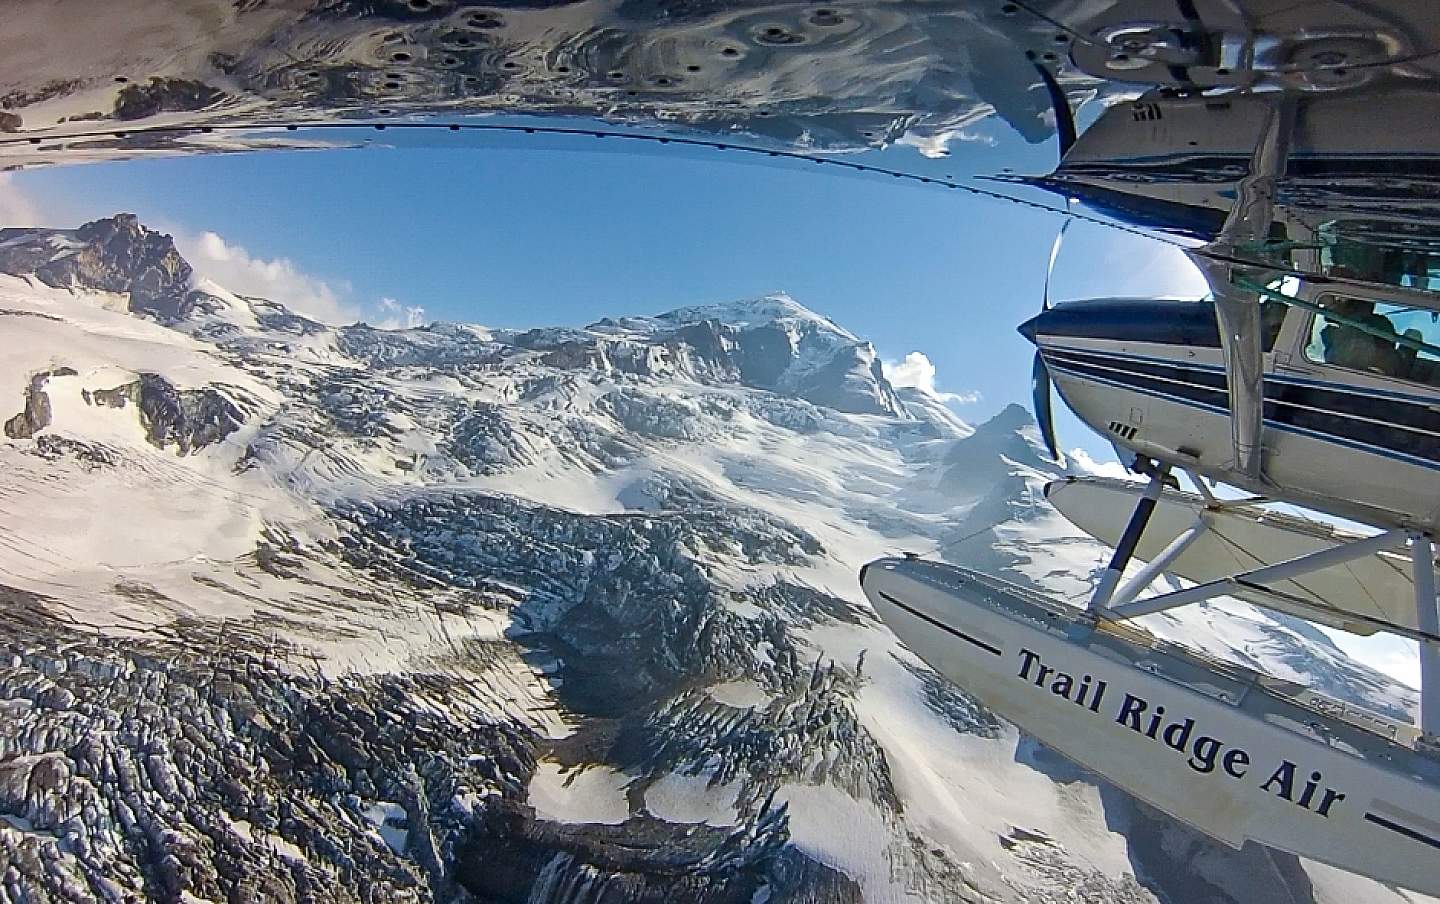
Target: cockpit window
1384,339
1272,317
1273,310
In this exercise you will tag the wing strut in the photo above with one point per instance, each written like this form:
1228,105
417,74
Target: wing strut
1124,605
1427,618
1241,332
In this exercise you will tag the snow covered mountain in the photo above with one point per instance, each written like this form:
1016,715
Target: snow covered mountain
293,612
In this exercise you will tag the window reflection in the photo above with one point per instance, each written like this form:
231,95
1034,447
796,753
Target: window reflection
1404,267
1391,340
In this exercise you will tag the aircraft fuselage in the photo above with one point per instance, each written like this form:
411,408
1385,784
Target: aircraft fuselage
1360,442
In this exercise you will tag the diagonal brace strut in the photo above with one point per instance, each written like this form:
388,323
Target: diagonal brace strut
1280,571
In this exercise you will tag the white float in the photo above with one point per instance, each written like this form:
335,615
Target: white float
1236,754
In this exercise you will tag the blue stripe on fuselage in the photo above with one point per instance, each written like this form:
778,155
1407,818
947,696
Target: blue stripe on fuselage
1193,396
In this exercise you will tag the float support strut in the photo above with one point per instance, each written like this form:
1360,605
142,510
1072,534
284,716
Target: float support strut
1158,565
1125,549
1427,619
1270,574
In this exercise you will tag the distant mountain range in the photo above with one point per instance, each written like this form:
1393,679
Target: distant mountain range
297,612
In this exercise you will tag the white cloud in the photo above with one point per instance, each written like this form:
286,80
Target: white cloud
916,370
937,145
18,207
400,316
232,267
1083,462
282,280
279,279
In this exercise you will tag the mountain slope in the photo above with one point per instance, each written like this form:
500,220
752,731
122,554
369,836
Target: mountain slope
301,612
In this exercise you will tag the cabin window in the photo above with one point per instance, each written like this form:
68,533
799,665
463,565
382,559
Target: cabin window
1349,255
1397,341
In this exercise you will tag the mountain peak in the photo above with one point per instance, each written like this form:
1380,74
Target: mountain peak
113,254
119,222
1007,440
773,342
751,312
770,342
1012,418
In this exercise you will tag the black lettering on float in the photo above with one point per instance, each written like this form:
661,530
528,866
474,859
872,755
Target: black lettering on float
1328,800
1027,658
1283,779
1131,710
1099,695
1202,756
1331,798
1177,735
1204,751
1155,720
1235,761
1062,685
1042,671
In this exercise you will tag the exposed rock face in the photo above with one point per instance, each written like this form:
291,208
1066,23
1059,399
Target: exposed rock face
189,419
116,254
852,381
963,712
600,588
807,733
513,857
769,343
36,416
197,766
435,345
977,463
778,345
712,345
164,95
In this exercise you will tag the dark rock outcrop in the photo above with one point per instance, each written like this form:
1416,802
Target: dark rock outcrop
164,95
189,419
116,254
777,346
512,857
36,415
623,601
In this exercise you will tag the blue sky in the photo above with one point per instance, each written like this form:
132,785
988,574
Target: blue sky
514,237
